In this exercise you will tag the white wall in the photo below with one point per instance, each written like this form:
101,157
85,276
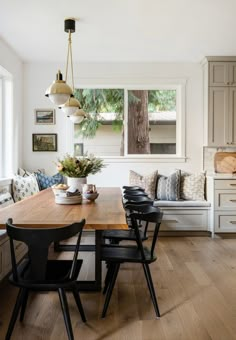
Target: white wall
13,64
37,77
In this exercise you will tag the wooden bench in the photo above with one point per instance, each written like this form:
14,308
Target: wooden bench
20,248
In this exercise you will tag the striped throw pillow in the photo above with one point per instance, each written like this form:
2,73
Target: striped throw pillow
168,188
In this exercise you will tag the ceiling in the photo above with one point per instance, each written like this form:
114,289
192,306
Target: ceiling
120,30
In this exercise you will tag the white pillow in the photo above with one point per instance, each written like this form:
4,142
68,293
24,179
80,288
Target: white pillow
192,187
147,182
5,199
24,187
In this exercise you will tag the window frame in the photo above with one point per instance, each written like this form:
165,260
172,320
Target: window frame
155,84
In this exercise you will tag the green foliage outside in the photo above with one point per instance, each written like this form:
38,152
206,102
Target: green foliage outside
161,100
96,101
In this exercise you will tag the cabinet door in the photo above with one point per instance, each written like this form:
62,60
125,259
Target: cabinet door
232,74
219,73
218,116
232,115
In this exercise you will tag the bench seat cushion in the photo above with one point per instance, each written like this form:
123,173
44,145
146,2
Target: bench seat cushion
181,204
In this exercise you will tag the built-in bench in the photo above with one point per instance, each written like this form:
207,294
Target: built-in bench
20,248
184,215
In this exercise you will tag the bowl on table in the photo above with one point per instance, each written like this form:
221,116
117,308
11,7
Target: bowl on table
91,196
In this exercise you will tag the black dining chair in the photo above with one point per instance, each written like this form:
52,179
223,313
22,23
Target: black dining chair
139,253
116,236
38,273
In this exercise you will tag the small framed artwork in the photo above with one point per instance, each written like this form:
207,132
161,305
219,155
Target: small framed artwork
44,141
78,149
45,116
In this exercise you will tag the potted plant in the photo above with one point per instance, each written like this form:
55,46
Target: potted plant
76,169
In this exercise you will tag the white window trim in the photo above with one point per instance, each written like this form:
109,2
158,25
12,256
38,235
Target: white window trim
179,84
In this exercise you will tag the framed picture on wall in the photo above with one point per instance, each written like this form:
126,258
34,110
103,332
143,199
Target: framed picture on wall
78,149
44,141
45,116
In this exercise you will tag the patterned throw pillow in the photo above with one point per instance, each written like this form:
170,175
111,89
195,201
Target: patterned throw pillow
147,182
23,172
45,181
5,199
168,188
192,187
24,187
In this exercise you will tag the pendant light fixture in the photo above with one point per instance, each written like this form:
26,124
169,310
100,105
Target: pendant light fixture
59,92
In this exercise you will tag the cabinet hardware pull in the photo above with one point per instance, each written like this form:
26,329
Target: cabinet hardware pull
233,201
232,222
233,185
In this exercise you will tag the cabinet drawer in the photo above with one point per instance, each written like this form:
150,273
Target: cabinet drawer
225,184
225,223
184,220
225,199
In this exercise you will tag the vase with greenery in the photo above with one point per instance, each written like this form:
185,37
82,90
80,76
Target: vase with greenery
76,169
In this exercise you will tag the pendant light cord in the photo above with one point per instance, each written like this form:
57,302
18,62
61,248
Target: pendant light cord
69,58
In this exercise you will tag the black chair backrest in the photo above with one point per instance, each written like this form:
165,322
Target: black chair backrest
134,187
131,198
142,208
134,193
38,241
151,217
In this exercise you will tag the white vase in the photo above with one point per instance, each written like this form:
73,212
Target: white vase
76,182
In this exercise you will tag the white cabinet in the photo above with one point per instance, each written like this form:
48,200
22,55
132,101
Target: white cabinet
222,194
220,101
222,73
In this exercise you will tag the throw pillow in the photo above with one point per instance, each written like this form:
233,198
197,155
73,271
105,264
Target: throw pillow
192,187
24,187
147,182
23,172
5,199
45,181
168,188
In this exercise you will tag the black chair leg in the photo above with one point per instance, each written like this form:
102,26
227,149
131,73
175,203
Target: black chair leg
110,289
15,314
79,304
66,314
24,304
151,288
108,277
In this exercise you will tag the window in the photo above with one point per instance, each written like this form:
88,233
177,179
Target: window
132,122
6,123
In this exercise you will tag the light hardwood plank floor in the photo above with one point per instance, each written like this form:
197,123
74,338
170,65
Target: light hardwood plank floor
195,281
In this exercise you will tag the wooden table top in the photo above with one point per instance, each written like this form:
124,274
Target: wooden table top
41,211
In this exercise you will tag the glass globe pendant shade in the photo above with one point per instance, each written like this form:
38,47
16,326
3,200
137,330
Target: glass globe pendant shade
59,92
71,106
78,116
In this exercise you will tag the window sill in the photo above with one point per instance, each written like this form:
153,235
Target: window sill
144,159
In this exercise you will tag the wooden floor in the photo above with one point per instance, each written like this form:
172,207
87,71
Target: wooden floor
195,280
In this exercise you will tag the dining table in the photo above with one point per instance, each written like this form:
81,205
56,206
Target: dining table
41,211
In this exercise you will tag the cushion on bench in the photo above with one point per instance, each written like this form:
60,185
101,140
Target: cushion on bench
181,204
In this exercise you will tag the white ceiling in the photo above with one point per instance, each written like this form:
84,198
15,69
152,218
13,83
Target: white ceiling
120,30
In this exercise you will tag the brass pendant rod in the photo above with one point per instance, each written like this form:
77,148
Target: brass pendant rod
68,54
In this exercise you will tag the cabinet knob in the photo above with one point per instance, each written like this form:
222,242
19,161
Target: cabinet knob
228,83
